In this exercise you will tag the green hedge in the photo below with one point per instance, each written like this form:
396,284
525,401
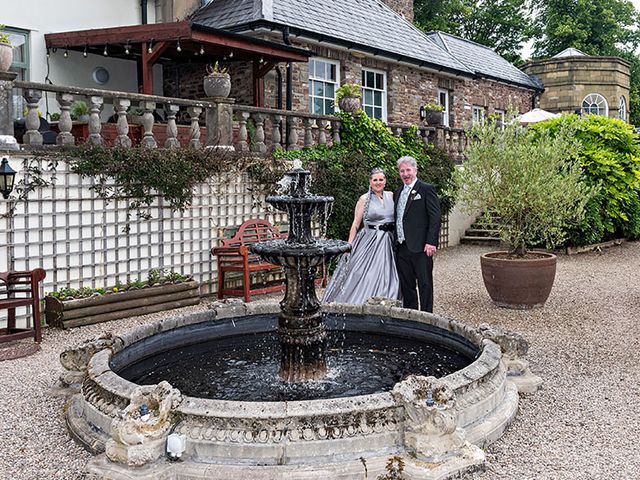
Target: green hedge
609,154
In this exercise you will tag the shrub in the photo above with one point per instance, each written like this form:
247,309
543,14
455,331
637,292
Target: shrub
610,158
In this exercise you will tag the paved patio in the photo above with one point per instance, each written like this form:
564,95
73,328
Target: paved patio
585,344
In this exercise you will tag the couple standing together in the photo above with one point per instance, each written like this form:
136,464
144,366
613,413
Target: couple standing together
393,238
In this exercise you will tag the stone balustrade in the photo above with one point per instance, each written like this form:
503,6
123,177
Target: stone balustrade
212,122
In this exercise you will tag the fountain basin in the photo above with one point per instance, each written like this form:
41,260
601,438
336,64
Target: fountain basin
274,439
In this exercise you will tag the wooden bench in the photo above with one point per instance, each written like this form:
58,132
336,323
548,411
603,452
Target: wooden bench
234,256
21,289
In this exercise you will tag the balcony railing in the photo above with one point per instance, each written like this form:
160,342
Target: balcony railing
165,122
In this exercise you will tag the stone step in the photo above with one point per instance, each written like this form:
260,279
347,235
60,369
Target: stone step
481,232
471,240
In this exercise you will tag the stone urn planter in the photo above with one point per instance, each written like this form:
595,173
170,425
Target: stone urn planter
350,104
217,82
518,283
112,306
6,56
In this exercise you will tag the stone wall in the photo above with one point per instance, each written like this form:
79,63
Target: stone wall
407,87
403,7
568,80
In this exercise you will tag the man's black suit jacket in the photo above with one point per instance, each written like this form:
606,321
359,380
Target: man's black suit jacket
421,221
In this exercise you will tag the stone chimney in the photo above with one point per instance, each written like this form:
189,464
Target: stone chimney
403,7
175,10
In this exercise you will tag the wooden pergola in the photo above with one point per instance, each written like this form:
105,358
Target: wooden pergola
179,42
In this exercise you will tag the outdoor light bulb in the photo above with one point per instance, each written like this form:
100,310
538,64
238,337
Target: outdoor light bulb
178,47
150,49
106,52
201,50
48,53
127,49
66,53
85,54
231,55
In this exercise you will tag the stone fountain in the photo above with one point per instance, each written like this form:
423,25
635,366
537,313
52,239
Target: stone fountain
300,326
287,391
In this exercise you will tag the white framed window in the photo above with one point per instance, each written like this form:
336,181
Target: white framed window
499,115
324,79
622,109
443,99
20,65
374,93
478,113
596,104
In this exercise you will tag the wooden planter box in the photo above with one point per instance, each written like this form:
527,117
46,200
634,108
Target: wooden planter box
102,308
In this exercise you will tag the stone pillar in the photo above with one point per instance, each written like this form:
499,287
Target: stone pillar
64,124
6,102
121,105
194,131
172,129
33,135
243,134
148,140
258,142
220,123
95,124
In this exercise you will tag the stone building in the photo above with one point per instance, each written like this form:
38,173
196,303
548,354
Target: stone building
574,81
370,42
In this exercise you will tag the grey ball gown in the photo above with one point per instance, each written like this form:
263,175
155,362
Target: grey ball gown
370,269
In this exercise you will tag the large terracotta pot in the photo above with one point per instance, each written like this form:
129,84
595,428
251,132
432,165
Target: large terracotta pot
6,56
217,85
518,283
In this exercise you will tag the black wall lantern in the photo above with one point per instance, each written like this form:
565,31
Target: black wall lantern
423,113
7,176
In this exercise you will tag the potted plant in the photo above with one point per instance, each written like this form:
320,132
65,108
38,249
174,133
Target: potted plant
6,51
217,82
348,97
531,183
433,113
80,111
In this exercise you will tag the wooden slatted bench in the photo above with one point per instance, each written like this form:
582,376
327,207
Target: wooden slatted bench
234,256
21,289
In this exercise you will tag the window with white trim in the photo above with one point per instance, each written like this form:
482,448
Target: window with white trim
443,99
478,113
20,41
324,79
596,104
374,93
622,109
499,115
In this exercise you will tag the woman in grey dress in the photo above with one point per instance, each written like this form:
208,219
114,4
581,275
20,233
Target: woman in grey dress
370,269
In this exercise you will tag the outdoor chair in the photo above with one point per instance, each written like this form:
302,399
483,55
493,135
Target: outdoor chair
21,289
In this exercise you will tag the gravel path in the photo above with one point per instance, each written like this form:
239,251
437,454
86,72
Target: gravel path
585,344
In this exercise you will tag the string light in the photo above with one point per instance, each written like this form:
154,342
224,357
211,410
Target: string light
231,54
261,60
105,52
178,47
66,52
150,49
201,50
85,53
127,48
48,52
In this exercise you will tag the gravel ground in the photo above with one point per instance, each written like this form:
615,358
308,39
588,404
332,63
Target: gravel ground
583,424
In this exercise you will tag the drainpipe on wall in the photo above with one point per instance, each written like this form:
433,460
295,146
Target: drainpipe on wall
285,38
143,12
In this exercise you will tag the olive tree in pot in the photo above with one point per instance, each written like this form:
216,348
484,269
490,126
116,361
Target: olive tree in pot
217,82
531,184
349,97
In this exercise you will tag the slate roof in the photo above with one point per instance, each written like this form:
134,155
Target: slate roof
367,25
482,60
355,23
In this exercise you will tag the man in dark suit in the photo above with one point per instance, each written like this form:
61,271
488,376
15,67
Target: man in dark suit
417,231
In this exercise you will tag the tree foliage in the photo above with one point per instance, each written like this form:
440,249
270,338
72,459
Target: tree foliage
503,25
530,180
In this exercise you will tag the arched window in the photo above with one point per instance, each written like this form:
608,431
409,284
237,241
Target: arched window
596,104
622,109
